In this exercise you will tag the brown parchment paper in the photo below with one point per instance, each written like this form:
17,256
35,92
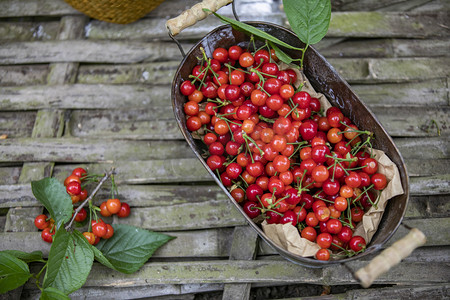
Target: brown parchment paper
288,237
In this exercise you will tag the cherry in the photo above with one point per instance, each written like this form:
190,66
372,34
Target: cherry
357,243
109,231
262,57
294,196
255,169
272,86
214,162
281,163
113,205
72,178
79,172
246,59
324,240
232,92
272,217
187,88
345,234
357,214
309,233
334,226
210,90
367,199
234,170
81,216
99,229
124,210
369,165
73,188
322,213
289,217
320,173
302,99
308,129
311,219
220,54
379,181
340,203
234,52
41,222
191,108
238,194
47,235
247,88
323,254
90,237
353,179
254,192
251,209
193,123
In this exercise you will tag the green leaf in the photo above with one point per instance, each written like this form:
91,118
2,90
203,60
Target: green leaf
69,262
98,255
51,293
280,54
309,19
130,247
52,194
253,30
26,257
13,272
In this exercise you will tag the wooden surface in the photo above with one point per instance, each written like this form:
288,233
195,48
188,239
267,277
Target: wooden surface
81,92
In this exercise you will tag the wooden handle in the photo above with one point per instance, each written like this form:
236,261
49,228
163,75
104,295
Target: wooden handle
191,16
390,257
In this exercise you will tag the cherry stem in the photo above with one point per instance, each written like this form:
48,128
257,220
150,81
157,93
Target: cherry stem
366,189
323,199
303,55
234,68
347,253
294,109
38,275
266,119
94,192
349,214
246,136
301,145
300,87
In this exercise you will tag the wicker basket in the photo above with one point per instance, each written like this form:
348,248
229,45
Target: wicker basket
115,11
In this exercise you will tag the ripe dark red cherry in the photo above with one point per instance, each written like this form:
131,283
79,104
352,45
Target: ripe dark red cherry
187,88
357,243
251,209
308,130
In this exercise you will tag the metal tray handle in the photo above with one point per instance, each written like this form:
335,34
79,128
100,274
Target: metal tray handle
194,14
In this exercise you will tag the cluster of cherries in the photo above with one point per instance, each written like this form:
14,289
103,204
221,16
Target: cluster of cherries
282,159
98,228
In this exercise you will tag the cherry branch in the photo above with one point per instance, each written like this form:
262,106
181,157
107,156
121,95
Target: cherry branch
94,192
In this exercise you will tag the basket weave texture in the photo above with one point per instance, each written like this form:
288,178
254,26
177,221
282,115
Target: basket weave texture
115,11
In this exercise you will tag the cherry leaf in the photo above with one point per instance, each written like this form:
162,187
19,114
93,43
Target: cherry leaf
309,19
69,261
13,272
253,30
130,247
51,293
52,194
35,256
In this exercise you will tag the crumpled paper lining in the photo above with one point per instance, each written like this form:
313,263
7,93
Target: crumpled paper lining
288,237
